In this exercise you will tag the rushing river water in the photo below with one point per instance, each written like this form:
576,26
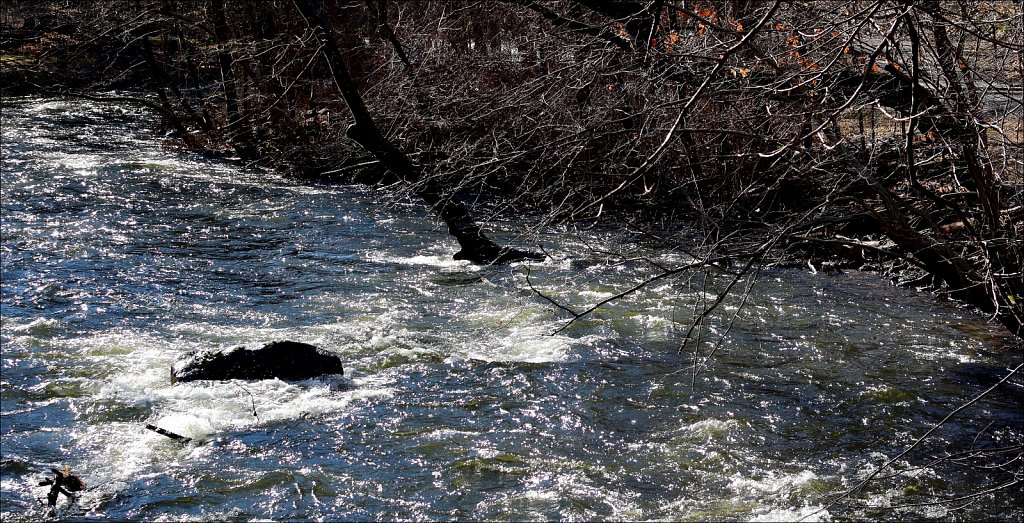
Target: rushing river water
119,255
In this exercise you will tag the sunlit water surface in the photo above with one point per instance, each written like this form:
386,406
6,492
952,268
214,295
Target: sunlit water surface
119,255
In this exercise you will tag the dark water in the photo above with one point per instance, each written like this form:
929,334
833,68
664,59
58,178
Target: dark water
458,403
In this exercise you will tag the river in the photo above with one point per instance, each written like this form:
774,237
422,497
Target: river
120,254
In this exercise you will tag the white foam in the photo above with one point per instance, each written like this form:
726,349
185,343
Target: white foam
37,328
525,344
808,514
78,162
710,429
776,484
139,377
442,260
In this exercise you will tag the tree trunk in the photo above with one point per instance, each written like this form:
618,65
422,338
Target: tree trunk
236,128
475,246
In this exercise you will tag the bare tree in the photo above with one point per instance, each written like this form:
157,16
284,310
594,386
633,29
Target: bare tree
876,133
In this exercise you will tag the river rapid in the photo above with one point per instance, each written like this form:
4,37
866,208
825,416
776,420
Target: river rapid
458,402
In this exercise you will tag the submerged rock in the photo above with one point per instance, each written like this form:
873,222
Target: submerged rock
286,360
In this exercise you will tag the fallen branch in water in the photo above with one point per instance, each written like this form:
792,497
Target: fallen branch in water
63,482
169,434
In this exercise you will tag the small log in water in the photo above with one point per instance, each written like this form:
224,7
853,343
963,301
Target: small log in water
168,433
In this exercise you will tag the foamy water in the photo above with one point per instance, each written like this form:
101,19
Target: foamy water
465,396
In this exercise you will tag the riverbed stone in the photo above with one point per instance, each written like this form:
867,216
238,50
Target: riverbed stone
285,360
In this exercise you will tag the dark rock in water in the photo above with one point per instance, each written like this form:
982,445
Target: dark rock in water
286,360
